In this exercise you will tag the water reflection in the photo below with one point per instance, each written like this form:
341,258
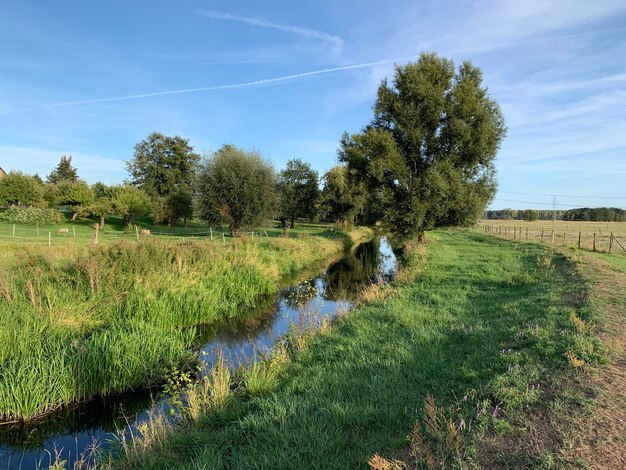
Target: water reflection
239,341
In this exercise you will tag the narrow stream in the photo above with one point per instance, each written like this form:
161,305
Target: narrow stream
74,431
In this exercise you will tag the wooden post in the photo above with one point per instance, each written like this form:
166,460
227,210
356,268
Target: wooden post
49,238
253,235
579,234
564,235
137,232
96,227
211,233
514,233
223,238
552,240
541,235
13,229
526,233
610,242
266,235
74,231
594,241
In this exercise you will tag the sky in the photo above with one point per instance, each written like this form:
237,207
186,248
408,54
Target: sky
91,79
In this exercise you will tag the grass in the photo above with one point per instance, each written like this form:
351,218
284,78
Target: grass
463,345
80,321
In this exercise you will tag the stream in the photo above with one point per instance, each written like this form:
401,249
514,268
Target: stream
74,431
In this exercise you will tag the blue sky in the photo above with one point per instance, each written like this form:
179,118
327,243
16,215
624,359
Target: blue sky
91,79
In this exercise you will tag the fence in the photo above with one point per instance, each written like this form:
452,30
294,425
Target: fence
600,241
45,236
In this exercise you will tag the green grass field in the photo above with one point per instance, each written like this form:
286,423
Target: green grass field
81,320
465,345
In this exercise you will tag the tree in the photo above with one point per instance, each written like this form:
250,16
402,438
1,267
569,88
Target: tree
170,209
341,200
530,215
103,202
427,155
20,189
129,202
162,165
298,185
64,171
77,196
236,187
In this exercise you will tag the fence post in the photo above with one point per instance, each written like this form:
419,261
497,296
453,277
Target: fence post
541,235
266,235
610,242
552,239
223,238
96,227
253,234
13,229
137,232
211,233
74,231
579,234
526,233
594,241
564,235
49,238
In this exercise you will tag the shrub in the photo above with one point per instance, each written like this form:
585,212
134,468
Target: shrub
30,215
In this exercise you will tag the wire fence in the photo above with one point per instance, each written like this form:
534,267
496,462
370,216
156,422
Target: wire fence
45,236
600,239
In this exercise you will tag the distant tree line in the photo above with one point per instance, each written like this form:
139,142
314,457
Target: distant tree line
597,214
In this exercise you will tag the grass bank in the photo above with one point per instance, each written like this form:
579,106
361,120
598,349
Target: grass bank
80,321
460,348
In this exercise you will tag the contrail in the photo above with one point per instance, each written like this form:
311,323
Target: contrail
309,33
232,86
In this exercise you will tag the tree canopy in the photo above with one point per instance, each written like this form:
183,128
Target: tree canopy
162,165
64,171
17,188
341,200
236,187
298,185
427,155
77,196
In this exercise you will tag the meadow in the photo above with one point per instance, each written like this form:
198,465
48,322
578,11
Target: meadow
466,361
82,320
591,236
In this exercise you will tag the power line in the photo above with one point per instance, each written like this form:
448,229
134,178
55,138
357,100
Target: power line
543,203
561,195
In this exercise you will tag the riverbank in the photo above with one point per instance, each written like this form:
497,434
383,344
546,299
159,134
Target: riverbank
82,321
459,353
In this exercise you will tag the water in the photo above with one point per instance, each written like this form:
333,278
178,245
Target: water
74,431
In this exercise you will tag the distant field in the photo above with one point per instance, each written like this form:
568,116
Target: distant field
562,233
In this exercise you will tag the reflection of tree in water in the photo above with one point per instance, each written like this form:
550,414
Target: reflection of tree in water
348,276
298,296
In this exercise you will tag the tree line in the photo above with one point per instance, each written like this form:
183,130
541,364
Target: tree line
424,160
597,214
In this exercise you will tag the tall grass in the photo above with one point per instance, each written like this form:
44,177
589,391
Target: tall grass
440,360
80,321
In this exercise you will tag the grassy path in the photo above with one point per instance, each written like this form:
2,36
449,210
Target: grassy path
476,335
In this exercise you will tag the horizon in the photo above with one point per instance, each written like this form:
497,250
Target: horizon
288,80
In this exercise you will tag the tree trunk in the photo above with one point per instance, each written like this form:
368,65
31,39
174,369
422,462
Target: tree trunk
101,222
74,216
293,221
185,220
170,228
421,237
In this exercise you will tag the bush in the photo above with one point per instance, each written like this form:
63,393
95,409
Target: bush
30,215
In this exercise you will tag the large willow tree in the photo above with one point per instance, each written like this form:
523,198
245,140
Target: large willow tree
427,155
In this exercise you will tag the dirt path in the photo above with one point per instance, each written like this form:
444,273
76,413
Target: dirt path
599,438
